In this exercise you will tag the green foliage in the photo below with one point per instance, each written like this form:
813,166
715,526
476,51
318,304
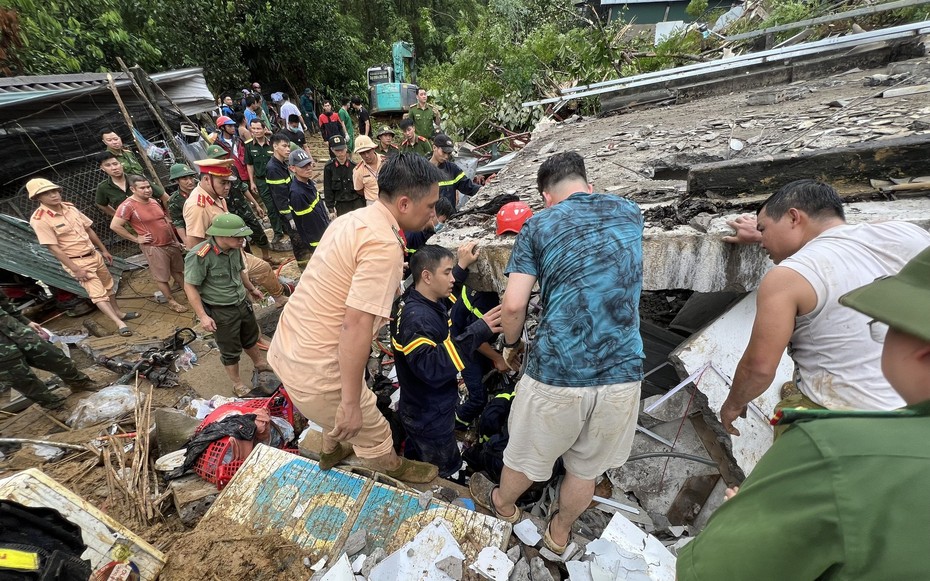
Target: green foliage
696,8
70,36
787,11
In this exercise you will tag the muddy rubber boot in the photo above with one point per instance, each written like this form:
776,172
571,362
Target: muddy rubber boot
330,459
94,329
414,471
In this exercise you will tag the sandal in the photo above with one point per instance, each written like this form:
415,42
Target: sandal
124,332
482,489
547,538
130,316
177,307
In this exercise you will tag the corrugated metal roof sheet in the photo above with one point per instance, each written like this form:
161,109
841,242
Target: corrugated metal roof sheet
23,255
18,90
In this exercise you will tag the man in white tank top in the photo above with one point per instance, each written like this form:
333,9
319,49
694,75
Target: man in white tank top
818,257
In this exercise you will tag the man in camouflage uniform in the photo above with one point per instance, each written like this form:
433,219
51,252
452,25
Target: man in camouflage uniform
240,203
131,164
22,347
186,178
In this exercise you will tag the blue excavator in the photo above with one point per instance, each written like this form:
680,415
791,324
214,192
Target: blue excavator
390,93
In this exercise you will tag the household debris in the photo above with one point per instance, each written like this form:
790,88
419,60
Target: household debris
100,532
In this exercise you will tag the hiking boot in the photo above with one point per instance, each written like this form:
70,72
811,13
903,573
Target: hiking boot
50,401
414,471
84,385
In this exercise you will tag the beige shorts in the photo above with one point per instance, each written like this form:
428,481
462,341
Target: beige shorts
99,284
164,261
591,428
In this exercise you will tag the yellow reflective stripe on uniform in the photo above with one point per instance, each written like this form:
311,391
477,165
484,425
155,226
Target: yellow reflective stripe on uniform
288,211
468,304
286,180
406,349
507,396
452,181
310,208
453,353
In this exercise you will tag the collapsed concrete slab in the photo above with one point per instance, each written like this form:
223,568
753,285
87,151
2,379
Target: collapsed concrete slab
646,155
679,258
717,349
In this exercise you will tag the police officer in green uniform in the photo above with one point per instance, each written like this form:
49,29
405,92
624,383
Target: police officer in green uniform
186,180
412,141
21,347
841,494
425,116
240,206
220,293
258,151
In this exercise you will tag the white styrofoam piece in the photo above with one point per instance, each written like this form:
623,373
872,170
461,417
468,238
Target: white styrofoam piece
722,343
527,532
358,563
579,571
492,564
633,543
340,571
417,559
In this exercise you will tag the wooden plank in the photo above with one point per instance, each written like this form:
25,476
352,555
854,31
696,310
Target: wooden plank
34,488
847,169
278,493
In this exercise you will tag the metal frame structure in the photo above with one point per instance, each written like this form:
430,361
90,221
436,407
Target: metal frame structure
739,62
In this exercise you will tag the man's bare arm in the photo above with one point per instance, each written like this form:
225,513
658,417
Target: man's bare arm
513,305
783,294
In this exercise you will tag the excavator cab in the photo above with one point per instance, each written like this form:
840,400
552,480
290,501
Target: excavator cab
390,94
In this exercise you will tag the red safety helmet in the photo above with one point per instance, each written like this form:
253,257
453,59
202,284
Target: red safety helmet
224,120
512,216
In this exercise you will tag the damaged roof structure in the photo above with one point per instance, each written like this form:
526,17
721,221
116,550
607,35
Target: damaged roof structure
695,147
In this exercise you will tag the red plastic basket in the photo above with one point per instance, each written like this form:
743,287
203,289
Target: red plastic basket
210,465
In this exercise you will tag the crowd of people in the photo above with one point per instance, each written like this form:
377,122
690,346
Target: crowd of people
854,412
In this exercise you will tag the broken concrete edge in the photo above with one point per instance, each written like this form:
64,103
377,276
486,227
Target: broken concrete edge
680,258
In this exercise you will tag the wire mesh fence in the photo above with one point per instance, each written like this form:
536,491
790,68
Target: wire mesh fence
39,150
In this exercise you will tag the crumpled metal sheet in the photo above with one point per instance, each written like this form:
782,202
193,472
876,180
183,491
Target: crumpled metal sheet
23,255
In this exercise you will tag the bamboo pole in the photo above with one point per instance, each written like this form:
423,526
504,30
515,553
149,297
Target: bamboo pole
128,119
152,109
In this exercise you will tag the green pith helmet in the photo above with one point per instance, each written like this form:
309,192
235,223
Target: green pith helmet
901,301
294,146
216,152
179,170
229,225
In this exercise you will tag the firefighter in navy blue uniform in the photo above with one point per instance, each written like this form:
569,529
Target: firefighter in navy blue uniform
428,358
307,205
454,181
278,179
470,305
